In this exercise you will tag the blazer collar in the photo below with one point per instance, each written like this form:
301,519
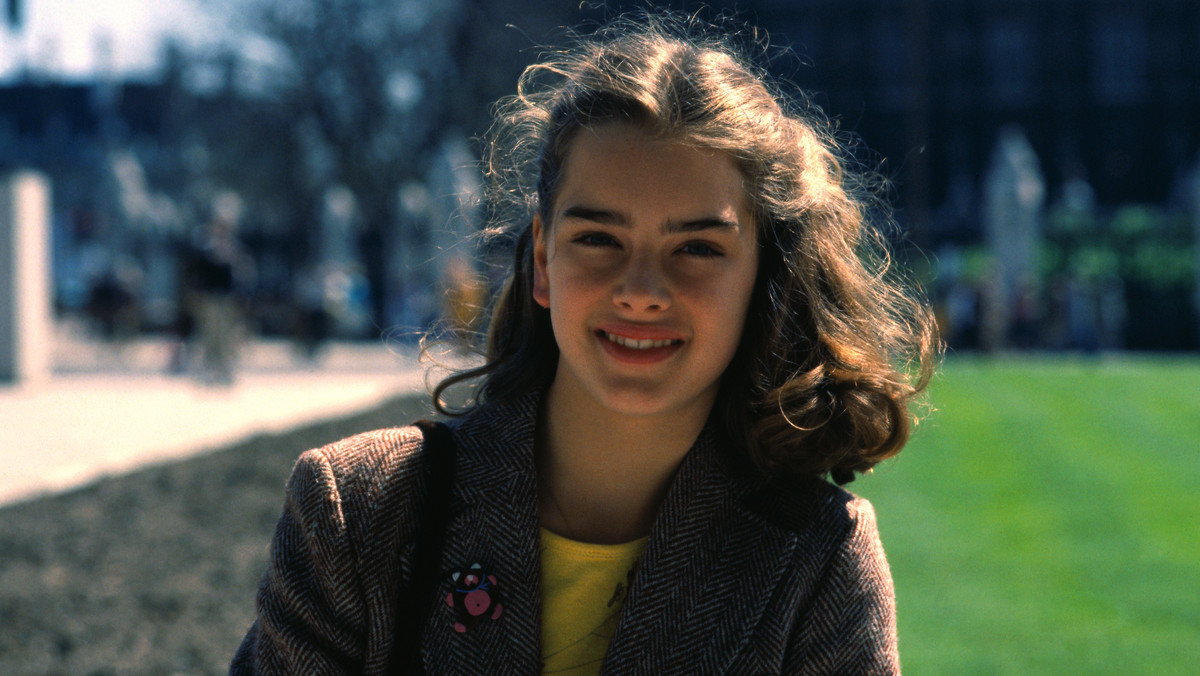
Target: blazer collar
494,523
706,576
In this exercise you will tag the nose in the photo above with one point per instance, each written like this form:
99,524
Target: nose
642,287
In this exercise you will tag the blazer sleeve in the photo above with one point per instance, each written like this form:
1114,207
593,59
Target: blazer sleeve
850,625
310,615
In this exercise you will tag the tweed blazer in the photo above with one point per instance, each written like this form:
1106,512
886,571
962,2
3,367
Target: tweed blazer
739,576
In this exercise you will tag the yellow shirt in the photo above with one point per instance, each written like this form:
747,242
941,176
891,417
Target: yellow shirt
583,588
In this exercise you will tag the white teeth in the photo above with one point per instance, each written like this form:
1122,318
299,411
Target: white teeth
636,344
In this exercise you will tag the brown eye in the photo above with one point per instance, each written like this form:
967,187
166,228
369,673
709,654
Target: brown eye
595,239
700,249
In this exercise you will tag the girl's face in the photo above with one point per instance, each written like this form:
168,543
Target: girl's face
647,268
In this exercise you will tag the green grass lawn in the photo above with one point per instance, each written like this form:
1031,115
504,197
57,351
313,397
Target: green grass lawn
1046,519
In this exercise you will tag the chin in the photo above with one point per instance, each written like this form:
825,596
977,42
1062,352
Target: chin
642,403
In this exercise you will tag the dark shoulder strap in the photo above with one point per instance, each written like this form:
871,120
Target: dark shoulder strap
438,452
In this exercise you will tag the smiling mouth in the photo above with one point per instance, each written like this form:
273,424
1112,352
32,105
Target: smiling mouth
635,344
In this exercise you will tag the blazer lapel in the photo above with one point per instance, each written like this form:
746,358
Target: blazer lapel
494,524
709,570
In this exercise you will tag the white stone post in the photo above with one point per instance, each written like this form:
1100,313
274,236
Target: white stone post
1013,199
25,309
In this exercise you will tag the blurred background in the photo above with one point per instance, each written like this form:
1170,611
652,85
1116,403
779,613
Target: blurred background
1044,155
281,192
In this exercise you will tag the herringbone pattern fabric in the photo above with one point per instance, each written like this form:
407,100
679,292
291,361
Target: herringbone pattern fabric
740,576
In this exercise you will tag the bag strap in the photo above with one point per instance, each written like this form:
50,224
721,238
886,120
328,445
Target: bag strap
439,452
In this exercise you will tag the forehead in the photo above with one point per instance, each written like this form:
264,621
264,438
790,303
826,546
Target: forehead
621,162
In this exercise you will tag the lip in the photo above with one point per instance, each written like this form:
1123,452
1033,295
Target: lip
641,332
628,355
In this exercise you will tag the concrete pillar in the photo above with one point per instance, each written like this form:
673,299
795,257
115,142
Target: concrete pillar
25,308
1013,199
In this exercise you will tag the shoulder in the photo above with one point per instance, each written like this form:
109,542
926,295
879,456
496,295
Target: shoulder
828,520
363,470
799,504
839,540
370,454
848,613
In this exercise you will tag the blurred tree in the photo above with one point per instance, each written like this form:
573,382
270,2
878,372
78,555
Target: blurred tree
363,95
1145,249
14,13
356,91
368,90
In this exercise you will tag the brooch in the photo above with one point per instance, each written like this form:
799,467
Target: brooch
475,597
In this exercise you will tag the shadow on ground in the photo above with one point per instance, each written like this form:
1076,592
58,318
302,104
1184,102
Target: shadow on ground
153,572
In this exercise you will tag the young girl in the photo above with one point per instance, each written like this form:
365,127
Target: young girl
699,327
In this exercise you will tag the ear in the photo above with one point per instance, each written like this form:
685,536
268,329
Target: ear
541,278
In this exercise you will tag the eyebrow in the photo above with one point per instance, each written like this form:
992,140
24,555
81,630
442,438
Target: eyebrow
616,218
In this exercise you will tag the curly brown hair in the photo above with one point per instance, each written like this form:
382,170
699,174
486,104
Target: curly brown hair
836,346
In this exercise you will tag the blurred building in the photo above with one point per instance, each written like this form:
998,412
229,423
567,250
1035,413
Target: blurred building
1106,91
1111,87
136,174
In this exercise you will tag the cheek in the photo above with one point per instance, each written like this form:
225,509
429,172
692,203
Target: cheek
569,302
574,282
722,302
721,292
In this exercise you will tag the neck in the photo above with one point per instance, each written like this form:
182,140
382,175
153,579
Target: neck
604,474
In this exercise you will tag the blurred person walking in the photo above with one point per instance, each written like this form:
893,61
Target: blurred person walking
114,307
219,273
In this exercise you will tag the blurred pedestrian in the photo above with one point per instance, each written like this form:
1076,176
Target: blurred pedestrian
114,306
220,275
311,324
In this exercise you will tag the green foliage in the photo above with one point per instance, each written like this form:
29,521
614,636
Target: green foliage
1142,244
1043,521
971,264
1133,222
1160,265
1066,224
1094,262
